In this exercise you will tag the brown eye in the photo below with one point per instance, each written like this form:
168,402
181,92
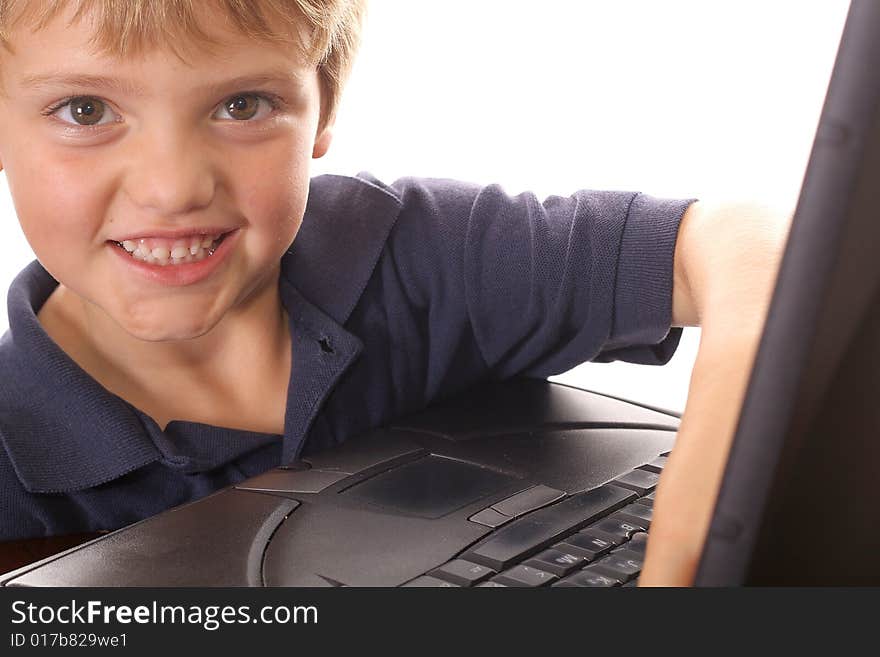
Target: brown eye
243,107
86,111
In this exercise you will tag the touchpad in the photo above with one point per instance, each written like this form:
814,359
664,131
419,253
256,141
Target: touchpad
430,487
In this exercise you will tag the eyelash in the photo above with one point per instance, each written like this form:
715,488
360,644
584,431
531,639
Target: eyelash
276,103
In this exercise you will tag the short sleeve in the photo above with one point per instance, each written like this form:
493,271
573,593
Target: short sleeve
537,287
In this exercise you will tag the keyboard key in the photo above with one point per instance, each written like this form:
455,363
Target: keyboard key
638,543
528,500
648,500
630,519
639,513
492,584
559,561
641,481
524,576
490,518
537,530
461,572
596,545
656,465
588,577
623,564
622,528
586,555
605,536
426,580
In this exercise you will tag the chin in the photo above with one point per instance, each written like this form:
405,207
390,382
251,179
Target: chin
168,331
166,335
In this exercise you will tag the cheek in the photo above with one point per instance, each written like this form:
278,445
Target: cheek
56,189
57,203
275,197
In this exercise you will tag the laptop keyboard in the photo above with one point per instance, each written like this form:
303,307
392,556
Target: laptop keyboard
592,538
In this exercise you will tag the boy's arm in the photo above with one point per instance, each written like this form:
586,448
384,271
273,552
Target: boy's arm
725,266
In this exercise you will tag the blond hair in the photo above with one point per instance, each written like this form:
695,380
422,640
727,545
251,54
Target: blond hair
129,27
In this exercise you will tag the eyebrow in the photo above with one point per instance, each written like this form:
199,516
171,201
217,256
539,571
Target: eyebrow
130,88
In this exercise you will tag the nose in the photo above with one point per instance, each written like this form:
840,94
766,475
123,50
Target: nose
170,173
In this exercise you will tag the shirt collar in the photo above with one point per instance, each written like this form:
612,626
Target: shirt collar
59,441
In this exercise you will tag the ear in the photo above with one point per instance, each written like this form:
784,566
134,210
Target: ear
322,141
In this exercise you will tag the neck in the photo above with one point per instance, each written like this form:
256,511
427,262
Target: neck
227,366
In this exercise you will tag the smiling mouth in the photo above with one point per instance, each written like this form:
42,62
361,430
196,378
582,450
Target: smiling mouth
164,252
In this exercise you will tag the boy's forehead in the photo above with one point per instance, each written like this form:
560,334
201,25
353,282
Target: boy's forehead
212,40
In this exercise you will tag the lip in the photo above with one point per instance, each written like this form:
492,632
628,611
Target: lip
177,233
179,275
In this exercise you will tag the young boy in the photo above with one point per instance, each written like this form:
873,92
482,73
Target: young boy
173,337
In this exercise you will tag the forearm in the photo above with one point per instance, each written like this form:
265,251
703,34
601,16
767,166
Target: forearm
689,486
726,260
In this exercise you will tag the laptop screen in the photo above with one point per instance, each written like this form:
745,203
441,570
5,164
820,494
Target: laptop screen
796,503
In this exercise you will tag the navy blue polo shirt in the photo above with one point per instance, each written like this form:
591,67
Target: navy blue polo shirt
397,295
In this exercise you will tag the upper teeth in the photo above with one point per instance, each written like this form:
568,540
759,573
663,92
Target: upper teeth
163,249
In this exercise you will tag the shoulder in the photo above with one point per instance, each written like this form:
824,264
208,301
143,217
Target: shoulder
21,396
346,223
352,222
353,216
18,420
336,190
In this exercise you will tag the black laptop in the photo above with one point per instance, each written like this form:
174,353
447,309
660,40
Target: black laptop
531,483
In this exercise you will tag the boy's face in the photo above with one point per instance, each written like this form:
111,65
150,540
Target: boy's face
176,155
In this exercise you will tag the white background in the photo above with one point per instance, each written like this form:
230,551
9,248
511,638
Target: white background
680,98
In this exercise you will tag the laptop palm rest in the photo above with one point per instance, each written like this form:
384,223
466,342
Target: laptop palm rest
383,508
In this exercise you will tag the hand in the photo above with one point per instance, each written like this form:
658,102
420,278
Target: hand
726,262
